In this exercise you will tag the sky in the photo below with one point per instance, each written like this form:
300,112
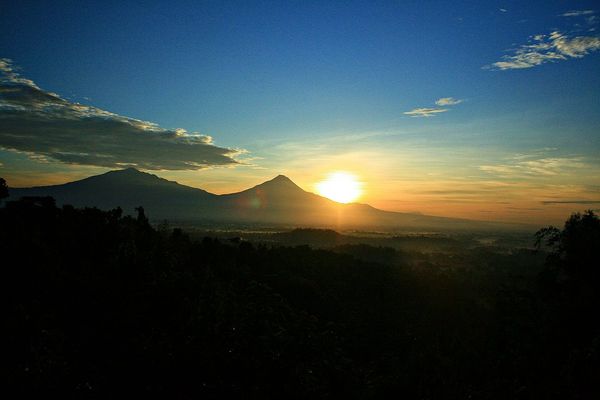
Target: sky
486,110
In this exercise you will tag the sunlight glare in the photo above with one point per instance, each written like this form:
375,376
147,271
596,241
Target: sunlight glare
341,187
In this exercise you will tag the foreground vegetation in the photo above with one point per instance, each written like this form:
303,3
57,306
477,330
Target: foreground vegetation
104,305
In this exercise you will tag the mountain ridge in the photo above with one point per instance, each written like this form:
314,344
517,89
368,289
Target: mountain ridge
276,202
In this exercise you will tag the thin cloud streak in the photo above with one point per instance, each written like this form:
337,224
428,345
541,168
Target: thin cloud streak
541,167
448,101
571,202
577,13
425,112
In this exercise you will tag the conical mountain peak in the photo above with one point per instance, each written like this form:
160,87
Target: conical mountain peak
280,182
282,178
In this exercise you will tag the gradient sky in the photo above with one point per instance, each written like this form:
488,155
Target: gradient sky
477,109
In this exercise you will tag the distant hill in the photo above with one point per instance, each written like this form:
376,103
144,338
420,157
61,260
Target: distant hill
278,202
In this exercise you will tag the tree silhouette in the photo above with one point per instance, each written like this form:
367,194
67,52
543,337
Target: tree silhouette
3,189
574,248
141,216
571,283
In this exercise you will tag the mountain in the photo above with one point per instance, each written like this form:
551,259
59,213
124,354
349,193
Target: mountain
278,202
127,188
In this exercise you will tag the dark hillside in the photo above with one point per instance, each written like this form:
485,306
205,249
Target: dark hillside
102,305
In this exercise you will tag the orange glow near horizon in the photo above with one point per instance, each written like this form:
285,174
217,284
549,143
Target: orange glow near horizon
342,187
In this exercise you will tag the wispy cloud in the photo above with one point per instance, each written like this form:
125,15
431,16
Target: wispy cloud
571,202
425,112
540,167
577,13
542,49
448,101
48,127
8,74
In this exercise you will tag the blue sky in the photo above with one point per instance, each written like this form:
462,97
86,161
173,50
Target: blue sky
302,88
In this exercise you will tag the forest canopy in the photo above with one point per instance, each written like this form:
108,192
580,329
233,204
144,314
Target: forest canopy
102,304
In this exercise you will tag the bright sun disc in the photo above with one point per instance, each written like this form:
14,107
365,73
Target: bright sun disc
341,187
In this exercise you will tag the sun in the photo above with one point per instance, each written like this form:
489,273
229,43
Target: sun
342,187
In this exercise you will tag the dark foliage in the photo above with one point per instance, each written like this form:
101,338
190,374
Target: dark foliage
3,189
575,249
102,305
571,280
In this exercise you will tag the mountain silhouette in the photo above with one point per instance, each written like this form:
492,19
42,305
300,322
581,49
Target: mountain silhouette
127,188
278,191
277,202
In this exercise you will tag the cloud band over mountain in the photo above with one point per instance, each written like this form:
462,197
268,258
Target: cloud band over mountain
46,126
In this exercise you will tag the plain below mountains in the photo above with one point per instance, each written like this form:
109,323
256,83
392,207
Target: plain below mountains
275,203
